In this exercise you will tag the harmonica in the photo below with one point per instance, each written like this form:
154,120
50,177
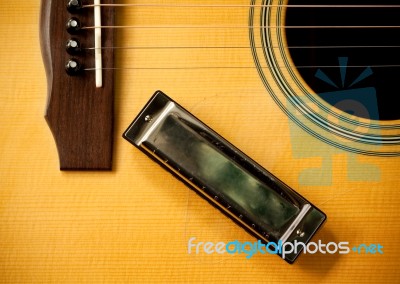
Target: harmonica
223,175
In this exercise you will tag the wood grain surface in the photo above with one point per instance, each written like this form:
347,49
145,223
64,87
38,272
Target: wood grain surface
79,114
133,224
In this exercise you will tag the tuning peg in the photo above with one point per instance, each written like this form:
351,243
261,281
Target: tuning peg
73,25
73,46
74,6
73,67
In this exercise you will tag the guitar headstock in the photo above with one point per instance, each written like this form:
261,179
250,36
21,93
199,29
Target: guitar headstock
79,113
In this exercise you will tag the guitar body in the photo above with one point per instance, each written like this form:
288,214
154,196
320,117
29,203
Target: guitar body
133,224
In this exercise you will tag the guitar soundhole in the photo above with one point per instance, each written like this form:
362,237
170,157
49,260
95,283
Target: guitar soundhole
343,65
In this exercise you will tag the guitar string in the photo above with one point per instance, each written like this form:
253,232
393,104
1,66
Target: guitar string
247,27
238,6
242,6
234,6
240,67
236,67
239,27
244,47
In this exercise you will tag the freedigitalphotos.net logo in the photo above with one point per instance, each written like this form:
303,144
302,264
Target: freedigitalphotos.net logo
249,249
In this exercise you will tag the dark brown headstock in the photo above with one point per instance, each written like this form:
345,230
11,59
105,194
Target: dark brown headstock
79,114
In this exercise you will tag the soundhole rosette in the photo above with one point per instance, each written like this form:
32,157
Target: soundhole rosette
347,117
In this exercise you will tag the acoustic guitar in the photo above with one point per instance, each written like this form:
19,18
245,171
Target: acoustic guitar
308,89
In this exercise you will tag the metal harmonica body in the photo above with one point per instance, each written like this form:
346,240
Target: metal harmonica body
223,175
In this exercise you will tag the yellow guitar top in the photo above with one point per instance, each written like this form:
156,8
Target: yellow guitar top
136,223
